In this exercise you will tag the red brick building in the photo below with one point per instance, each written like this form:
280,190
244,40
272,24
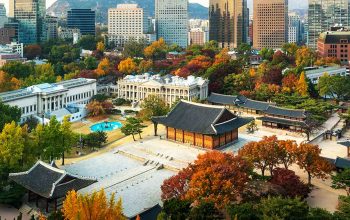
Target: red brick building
335,44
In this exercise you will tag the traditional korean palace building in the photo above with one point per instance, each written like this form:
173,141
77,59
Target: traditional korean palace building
201,125
46,182
272,116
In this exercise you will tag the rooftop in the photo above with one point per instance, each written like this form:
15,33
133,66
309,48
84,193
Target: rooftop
165,80
44,88
48,181
334,37
203,119
324,70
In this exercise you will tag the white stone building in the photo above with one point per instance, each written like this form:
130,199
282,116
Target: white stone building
172,21
68,33
59,99
126,22
314,73
170,88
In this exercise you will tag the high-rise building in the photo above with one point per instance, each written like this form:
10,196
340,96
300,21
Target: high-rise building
3,17
126,22
51,26
324,14
30,15
83,19
172,21
270,23
294,28
228,22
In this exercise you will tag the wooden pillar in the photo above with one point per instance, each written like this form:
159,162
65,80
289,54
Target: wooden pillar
36,201
175,134
194,138
348,151
203,140
225,139
29,195
155,128
183,136
47,205
167,135
55,205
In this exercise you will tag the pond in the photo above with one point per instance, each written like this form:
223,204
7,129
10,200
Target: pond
106,126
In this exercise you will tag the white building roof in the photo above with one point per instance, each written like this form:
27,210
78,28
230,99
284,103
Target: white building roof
158,80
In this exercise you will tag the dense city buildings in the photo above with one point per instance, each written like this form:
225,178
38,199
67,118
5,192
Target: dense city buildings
170,88
228,22
201,125
83,19
59,99
127,22
197,36
13,24
68,33
3,17
172,21
51,26
7,35
294,28
30,15
270,23
335,44
325,14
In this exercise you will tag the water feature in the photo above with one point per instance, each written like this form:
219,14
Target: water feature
106,126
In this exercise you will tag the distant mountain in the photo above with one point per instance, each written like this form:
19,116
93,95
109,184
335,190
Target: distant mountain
292,4
60,7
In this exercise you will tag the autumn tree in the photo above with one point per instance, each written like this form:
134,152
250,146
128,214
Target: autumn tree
134,48
104,67
157,50
199,64
145,66
304,57
8,83
308,158
222,57
341,180
289,83
127,66
302,86
32,51
290,49
92,207
286,152
100,47
215,177
95,108
290,182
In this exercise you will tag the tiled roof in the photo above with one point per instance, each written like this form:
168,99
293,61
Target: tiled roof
48,181
282,121
222,99
203,119
256,105
273,110
343,163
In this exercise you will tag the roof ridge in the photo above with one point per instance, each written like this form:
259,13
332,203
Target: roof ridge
261,101
202,105
224,94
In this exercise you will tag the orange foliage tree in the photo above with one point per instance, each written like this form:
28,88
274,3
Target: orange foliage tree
92,207
199,64
214,177
104,67
156,50
302,86
8,83
222,57
145,66
95,108
127,66
308,158
289,83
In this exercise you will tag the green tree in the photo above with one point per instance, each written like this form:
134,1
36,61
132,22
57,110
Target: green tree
134,48
343,207
132,127
88,42
337,87
283,208
18,69
51,137
205,210
43,74
96,139
175,209
68,137
341,180
266,54
8,114
90,63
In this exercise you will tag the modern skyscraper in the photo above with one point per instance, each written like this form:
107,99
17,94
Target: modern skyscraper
3,17
228,22
324,14
83,19
126,22
270,23
30,15
172,21
294,28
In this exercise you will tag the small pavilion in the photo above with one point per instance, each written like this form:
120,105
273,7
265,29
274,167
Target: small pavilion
201,125
49,183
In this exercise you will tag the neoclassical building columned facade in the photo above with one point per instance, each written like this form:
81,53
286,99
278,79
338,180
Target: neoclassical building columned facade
170,88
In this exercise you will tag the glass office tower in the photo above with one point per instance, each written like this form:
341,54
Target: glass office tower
30,15
324,14
83,19
228,22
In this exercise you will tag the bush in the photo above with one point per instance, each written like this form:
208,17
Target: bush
175,209
205,211
121,101
244,211
99,98
128,111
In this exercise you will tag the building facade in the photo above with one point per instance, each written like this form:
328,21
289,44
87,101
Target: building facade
335,44
228,22
294,28
83,19
270,23
51,26
197,36
324,14
127,22
315,73
59,99
172,21
30,15
170,88
7,35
